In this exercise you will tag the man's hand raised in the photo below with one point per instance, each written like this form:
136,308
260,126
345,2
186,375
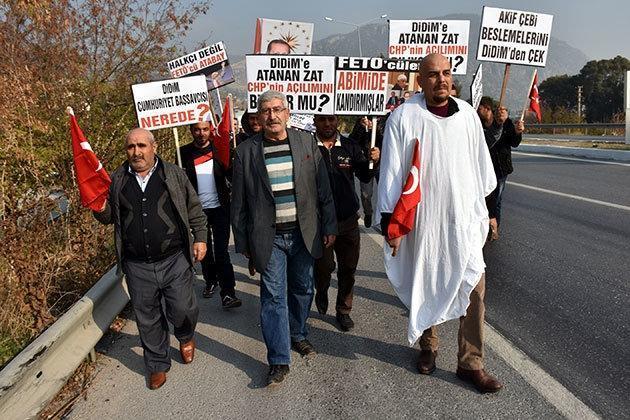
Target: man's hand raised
501,115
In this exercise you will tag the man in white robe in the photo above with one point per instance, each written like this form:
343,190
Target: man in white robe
438,269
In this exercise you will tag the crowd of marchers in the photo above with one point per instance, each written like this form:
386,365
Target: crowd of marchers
289,198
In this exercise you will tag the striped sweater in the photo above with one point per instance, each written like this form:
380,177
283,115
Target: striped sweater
279,163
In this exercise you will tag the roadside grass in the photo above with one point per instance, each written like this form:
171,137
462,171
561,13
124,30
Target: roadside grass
46,266
10,346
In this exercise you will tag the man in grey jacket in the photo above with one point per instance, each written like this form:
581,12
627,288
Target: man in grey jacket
282,217
154,209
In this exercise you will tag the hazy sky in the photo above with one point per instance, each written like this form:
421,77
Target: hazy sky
601,29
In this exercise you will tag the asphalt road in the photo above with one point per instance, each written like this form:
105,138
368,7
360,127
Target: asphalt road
557,289
558,278
366,373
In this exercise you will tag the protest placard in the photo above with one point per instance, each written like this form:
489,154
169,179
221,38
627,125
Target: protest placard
211,61
514,37
171,103
415,39
476,87
361,86
299,35
307,81
304,122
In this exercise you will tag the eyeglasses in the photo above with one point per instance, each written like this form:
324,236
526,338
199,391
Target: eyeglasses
275,110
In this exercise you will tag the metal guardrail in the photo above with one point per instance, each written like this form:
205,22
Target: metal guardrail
580,125
583,128
36,374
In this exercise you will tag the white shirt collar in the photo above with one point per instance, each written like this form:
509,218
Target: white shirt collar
337,140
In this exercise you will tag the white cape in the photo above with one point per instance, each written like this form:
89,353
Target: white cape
440,261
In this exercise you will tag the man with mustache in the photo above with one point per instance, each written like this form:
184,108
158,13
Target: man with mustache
159,233
437,269
283,216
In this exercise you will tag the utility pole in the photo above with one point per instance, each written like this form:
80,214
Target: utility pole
579,107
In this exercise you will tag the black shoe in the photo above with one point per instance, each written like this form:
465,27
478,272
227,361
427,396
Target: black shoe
276,374
230,301
345,322
209,290
367,220
426,362
304,347
321,301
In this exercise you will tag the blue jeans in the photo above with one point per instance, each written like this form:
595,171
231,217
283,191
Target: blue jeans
500,188
286,294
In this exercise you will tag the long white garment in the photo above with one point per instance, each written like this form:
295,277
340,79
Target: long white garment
440,261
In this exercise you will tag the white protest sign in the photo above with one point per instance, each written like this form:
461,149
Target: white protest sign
170,103
415,39
307,81
476,87
361,87
514,37
211,61
304,122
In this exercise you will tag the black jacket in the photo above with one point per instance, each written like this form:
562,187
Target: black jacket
253,210
501,150
222,176
185,200
343,161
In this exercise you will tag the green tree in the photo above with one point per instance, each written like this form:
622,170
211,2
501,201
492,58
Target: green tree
603,82
559,92
53,54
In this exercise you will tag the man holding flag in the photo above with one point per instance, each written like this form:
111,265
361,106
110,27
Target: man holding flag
436,222
501,135
159,233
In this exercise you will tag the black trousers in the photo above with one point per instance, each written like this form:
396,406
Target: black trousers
216,265
367,189
347,248
162,291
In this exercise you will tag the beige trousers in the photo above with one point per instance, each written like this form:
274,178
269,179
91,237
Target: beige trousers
470,336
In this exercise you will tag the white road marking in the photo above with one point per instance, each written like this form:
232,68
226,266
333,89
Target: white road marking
550,389
553,391
575,197
604,162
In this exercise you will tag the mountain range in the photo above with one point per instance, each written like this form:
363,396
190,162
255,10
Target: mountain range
561,59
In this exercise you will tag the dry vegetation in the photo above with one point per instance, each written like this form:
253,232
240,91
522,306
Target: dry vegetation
55,54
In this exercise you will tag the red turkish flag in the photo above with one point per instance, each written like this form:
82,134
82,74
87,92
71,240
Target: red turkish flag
223,136
404,213
534,99
92,178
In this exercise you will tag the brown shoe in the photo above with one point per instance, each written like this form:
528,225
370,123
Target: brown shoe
187,350
157,379
426,362
483,381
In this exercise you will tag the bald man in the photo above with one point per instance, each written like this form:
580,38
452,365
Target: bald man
278,46
159,233
437,269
